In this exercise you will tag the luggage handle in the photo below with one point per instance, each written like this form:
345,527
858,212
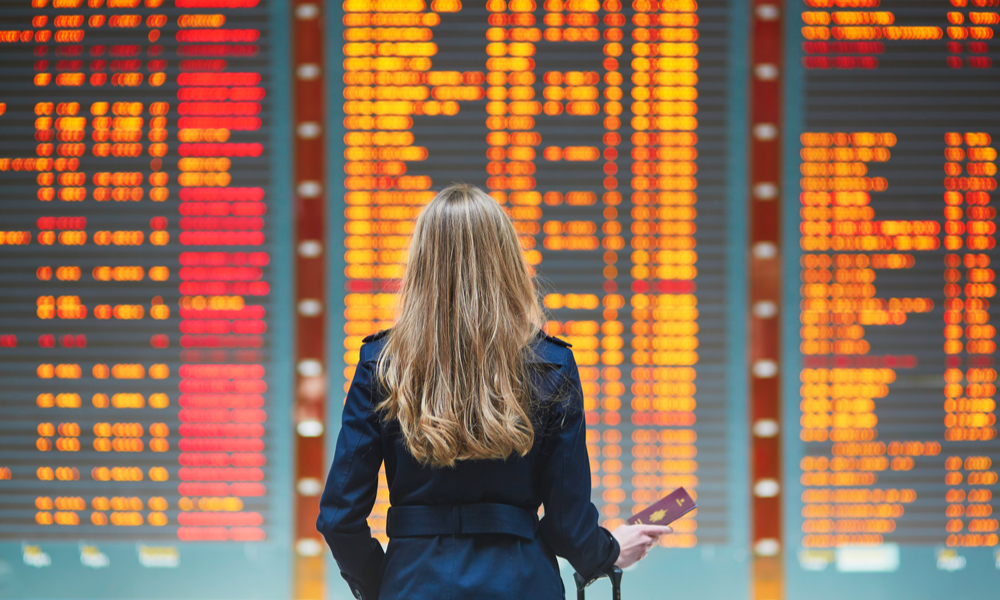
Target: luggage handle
614,574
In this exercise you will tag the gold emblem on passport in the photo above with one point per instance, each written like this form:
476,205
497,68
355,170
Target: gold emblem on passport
666,510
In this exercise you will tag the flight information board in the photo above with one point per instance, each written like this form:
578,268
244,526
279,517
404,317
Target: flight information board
890,376
603,129
144,324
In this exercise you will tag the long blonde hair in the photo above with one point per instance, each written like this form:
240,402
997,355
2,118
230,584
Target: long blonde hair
454,364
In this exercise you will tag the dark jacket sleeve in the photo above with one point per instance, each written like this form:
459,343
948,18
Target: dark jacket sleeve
351,486
570,525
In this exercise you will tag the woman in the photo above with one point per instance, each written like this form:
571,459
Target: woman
478,416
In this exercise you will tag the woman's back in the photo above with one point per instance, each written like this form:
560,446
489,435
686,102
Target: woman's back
465,561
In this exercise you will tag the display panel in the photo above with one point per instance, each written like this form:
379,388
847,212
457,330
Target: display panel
604,131
890,237
144,321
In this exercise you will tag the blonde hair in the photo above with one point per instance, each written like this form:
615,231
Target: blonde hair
454,364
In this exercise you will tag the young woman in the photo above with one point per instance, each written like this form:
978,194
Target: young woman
478,416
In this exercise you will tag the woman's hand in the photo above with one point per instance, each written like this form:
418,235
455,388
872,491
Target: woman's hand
635,541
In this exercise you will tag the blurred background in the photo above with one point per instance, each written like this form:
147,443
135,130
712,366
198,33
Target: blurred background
766,229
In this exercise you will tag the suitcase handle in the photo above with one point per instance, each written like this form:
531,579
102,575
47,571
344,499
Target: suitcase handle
614,574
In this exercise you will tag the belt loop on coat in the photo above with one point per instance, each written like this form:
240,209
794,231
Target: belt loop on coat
456,519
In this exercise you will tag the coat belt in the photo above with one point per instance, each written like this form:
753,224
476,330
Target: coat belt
461,519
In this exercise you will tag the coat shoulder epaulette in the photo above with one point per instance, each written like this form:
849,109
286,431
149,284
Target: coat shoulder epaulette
376,336
550,350
558,342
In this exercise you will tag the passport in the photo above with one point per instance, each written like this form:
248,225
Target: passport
666,510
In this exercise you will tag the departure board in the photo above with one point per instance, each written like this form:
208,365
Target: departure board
143,321
603,130
890,238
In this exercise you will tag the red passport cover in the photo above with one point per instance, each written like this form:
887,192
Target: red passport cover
666,510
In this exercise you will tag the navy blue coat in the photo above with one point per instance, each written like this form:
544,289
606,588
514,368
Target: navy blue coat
484,566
